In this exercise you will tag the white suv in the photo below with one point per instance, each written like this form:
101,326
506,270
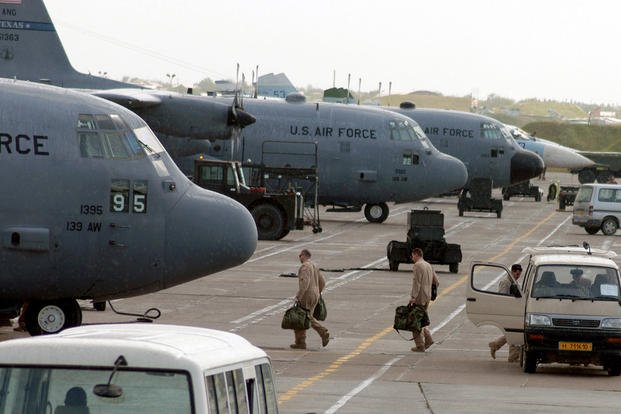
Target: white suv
565,308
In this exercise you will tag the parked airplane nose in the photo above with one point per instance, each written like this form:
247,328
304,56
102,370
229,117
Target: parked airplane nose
525,165
206,232
453,172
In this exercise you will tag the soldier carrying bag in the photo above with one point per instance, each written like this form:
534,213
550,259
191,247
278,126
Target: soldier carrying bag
296,317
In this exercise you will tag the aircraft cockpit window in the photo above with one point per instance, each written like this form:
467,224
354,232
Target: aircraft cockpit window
490,131
91,145
405,131
107,136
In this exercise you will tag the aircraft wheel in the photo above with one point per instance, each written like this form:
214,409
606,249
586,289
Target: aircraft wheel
609,226
270,221
51,317
530,362
376,213
604,177
586,176
591,230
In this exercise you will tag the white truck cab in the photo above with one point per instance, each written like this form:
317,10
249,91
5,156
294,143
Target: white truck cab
565,308
135,368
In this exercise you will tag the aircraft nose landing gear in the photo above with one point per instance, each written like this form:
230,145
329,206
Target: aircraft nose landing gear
48,317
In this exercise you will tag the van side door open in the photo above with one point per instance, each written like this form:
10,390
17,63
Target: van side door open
487,305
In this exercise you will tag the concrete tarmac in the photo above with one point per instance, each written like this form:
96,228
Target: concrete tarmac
367,367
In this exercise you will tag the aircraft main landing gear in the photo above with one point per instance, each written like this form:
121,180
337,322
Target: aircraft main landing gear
48,317
376,213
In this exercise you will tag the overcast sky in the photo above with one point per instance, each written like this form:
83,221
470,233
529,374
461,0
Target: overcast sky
557,49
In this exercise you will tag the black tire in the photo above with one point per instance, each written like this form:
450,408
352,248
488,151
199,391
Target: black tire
561,204
43,318
453,267
586,176
270,221
461,212
538,197
609,226
376,213
99,305
530,362
604,177
591,230
498,213
614,370
393,266
506,196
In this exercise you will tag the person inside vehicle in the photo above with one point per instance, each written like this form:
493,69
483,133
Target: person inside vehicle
75,402
582,284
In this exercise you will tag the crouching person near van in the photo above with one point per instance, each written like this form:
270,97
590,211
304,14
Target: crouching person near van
503,287
311,284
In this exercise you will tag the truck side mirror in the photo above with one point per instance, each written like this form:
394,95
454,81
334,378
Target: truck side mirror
515,291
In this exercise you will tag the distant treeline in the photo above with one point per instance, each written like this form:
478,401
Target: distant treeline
580,137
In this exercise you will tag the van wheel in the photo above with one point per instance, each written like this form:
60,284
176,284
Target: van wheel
530,362
591,230
609,226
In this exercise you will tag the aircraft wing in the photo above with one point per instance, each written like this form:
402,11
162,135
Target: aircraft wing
129,98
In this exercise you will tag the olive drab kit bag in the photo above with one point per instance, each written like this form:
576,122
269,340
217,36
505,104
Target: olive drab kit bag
296,317
321,312
410,318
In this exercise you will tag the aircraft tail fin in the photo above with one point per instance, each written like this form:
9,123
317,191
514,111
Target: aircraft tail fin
30,48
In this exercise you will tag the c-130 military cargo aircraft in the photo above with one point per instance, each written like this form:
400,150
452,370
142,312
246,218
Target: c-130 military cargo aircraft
482,143
93,207
364,156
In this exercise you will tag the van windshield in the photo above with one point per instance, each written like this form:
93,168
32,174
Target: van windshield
584,194
576,282
69,390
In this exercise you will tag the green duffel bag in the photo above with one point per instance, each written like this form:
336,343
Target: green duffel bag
296,317
410,318
321,312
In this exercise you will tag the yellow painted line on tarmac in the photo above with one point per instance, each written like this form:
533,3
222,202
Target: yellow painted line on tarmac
366,343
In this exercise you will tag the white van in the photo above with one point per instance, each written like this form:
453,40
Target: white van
598,206
135,368
565,308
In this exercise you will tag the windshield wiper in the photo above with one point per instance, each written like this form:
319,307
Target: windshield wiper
148,148
605,298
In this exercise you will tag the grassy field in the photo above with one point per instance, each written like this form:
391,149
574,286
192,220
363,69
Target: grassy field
580,137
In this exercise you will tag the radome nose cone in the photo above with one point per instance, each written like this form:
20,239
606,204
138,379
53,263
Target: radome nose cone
453,173
206,232
525,165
